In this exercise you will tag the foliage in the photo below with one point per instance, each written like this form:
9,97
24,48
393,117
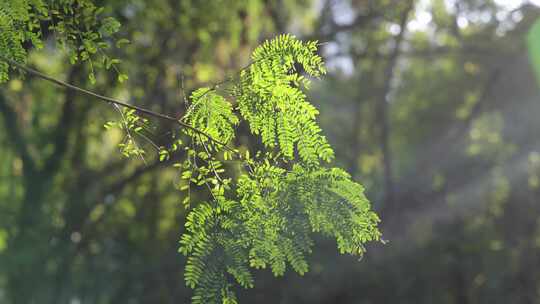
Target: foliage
131,124
212,114
94,227
77,25
270,98
266,216
270,225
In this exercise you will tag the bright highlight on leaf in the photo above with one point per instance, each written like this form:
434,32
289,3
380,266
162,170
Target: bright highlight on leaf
212,114
271,100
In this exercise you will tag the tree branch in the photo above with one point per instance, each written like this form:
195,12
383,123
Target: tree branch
112,100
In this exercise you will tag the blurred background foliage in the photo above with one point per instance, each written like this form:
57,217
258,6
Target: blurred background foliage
432,105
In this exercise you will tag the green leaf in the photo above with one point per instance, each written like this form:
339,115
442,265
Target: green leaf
92,78
122,42
122,77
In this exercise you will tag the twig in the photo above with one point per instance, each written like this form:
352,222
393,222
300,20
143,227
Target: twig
210,162
126,126
111,100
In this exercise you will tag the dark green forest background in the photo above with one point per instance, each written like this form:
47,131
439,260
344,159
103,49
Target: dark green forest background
432,105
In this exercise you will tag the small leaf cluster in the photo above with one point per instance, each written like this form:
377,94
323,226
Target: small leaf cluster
78,27
271,99
202,168
212,114
131,124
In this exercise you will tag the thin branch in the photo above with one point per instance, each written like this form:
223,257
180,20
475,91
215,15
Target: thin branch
197,168
210,162
111,100
149,141
126,127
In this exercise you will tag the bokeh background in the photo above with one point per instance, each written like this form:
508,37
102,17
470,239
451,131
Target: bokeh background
432,105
